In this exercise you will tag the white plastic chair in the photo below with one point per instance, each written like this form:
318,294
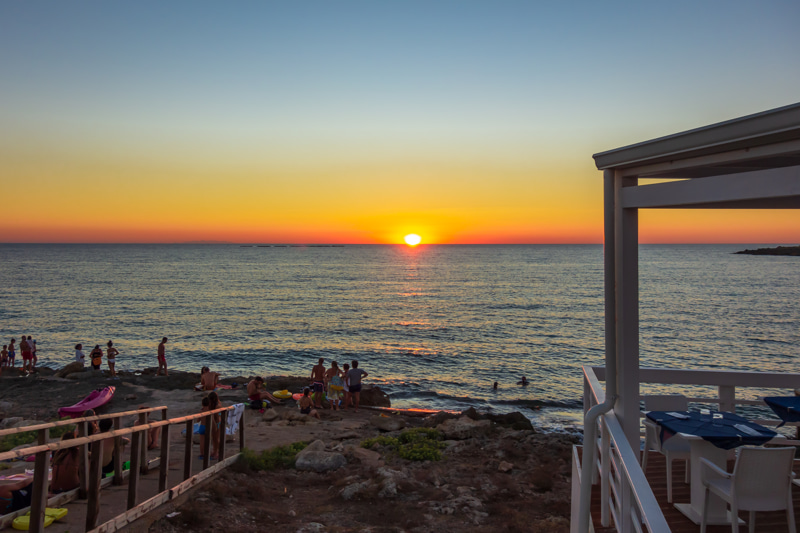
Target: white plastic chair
675,448
761,481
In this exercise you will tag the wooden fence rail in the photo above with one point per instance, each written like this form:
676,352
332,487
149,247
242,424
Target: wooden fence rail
90,470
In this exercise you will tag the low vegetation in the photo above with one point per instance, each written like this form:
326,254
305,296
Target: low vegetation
9,442
419,444
273,458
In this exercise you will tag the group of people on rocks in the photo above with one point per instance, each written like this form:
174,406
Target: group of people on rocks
336,382
27,348
342,386
96,356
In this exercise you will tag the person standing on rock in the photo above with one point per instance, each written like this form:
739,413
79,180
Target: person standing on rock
79,356
12,354
162,357
34,359
25,348
355,374
111,358
318,382
97,357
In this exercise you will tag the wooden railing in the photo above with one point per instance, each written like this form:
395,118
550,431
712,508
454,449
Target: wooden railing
626,499
625,495
91,468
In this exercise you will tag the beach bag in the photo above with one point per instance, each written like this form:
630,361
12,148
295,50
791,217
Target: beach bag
336,383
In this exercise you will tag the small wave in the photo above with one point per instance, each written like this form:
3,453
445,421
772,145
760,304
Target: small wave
533,404
515,307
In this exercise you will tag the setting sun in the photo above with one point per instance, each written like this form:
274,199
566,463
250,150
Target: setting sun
413,239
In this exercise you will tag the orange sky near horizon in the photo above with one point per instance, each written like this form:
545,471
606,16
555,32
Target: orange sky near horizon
323,123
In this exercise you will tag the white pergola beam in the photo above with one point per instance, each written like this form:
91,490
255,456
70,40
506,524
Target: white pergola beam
734,159
777,188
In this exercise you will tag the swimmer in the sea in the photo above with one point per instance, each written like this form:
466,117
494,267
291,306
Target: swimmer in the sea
523,381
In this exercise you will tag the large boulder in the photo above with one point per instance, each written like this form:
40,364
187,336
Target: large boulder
387,423
366,457
435,419
71,368
314,458
515,420
372,396
464,428
10,422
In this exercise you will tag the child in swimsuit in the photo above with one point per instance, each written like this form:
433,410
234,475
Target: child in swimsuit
306,403
12,354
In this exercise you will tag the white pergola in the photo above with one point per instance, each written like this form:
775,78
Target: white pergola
752,162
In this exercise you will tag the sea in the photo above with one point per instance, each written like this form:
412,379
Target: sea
435,326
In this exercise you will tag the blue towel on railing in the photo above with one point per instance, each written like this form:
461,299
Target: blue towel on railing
722,433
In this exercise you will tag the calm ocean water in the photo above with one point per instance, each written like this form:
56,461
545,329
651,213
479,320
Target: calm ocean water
434,326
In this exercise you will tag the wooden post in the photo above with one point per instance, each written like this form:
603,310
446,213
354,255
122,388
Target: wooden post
187,455
93,503
143,463
164,465
207,442
727,398
83,469
133,477
117,453
222,428
40,485
241,431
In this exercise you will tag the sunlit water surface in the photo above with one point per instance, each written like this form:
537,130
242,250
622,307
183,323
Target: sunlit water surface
434,326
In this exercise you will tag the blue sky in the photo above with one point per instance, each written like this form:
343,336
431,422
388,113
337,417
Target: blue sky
510,88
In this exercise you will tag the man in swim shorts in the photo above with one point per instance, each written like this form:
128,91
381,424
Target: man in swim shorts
354,377
162,357
318,382
27,355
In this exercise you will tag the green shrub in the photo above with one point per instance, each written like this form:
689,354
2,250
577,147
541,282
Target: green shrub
58,432
9,442
419,444
272,459
381,440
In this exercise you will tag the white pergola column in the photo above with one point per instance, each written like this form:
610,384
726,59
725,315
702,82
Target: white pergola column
626,278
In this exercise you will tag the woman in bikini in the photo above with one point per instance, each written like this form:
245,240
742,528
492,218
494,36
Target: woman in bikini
306,404
111,357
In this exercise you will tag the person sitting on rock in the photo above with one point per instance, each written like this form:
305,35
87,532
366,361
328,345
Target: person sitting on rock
208,379
66,463
306,404
254,391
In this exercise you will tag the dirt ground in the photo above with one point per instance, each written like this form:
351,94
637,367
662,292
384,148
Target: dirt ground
496,479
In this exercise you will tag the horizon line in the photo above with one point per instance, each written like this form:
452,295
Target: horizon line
326,244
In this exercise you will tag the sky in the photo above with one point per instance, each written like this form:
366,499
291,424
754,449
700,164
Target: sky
363,121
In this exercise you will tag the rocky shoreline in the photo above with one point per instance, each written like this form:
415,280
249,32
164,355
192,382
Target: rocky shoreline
494,472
